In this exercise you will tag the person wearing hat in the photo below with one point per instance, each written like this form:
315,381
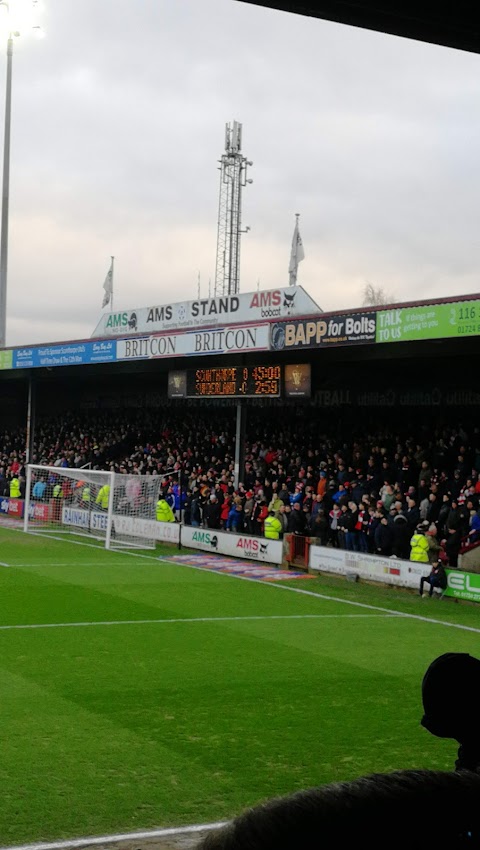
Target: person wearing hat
419,544
436,578
272,527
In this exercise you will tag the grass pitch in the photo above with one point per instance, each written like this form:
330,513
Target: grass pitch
219,694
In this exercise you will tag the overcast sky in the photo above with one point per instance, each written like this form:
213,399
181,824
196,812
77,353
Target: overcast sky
118,123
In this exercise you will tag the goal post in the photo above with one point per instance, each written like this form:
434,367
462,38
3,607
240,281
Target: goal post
115,509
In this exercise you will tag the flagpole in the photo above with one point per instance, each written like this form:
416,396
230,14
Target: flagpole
111,297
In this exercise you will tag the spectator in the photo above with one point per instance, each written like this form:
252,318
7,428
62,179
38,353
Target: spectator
225,508
235,520
39,490
248,512
434,547
297,522
284,517
436,578
401,537
196,512
412,513
474,533
334,519
383,537
453,534
318,527
275,503
211,513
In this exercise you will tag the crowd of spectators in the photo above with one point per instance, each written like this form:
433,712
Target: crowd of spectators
364,492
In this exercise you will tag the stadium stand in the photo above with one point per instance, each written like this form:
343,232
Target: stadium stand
343,483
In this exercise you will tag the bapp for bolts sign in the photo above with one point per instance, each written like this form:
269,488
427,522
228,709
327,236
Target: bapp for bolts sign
347,329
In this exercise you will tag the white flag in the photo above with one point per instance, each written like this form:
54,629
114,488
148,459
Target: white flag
297,254
108,286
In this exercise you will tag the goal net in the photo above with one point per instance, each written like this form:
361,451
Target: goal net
116,509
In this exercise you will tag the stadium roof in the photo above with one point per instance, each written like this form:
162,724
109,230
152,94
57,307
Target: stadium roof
454,25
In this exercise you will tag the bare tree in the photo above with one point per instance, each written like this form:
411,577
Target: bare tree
374,296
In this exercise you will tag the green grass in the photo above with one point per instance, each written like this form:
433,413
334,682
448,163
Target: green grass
109,728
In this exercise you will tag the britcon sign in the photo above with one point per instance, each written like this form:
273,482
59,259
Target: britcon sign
215,341
208,312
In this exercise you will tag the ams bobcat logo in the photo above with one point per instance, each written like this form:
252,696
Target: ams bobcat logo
271,304
206,537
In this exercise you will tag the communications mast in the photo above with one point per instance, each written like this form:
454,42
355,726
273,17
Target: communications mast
233,178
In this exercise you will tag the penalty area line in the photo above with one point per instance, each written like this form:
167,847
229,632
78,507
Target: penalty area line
113,839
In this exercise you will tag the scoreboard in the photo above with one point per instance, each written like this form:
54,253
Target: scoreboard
258,381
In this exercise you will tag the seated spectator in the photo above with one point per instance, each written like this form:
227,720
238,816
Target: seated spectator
436,578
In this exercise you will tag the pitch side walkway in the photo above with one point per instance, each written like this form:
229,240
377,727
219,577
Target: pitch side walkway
237,567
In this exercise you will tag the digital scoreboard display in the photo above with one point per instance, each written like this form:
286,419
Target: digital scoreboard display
226,382
258,381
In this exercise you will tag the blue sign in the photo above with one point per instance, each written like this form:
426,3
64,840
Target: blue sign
69,354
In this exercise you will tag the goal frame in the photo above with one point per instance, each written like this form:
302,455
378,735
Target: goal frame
105,476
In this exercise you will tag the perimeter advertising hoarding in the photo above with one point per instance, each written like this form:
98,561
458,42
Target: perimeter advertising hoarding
222,340
130,526
346,329
430,321
461,585
217,341
235,545
208,312
68,354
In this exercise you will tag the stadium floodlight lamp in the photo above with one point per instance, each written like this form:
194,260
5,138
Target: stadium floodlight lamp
16,17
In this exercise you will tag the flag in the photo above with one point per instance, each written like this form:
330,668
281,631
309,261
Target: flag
297,254
108,286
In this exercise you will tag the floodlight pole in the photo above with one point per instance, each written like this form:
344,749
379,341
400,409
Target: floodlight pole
5,196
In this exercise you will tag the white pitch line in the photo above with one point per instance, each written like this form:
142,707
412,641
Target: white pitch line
188,620
2,564
277,584
113,839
